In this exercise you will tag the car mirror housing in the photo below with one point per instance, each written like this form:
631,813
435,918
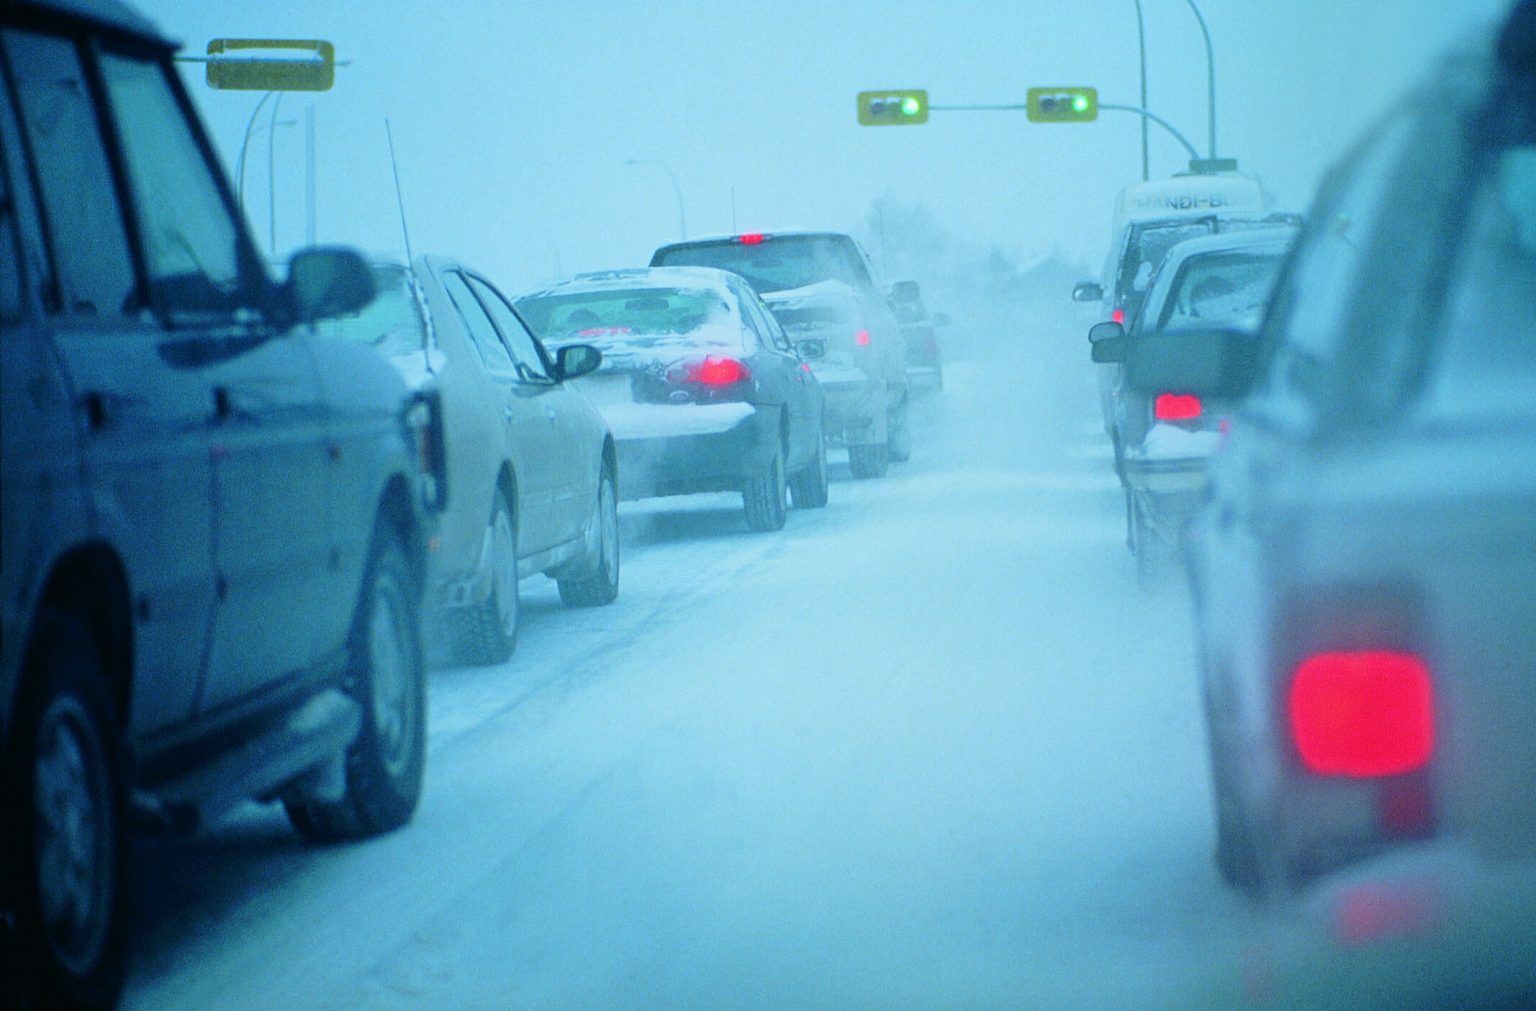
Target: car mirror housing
576,360
811,350
1109,350
1087,291
327,281
905,291
1207,362
1105,331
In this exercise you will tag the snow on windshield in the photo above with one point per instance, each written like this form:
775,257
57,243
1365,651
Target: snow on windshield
1222,288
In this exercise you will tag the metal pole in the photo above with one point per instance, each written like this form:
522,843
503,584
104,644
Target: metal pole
244,145
272,178
1155,118
1141,41
677,191
1210,75
309,175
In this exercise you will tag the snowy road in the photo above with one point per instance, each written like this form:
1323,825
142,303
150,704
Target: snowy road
930,746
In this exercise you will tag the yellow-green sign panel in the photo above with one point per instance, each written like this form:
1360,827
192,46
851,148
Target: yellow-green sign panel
314,72
1063,105
893,108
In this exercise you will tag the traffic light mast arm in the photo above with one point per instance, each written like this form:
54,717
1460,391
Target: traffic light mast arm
1154,117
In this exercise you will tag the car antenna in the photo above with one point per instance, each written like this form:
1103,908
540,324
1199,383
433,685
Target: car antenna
428,337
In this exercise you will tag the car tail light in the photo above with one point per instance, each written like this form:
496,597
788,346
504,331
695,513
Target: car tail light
1362,713
424,420
709,371
750,239
1118,316
1176,407
861,338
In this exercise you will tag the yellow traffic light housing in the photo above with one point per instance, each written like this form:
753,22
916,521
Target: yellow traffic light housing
1063,105
893,108
314,71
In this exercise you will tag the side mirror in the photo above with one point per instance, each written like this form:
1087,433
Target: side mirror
942,319
1207,362
1107,342
811,350
326,281
576,360
1087,291
905,291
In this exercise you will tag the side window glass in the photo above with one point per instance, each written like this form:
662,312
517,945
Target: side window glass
191,241
767,325
482,334
756,328
530,362
90,249
10,258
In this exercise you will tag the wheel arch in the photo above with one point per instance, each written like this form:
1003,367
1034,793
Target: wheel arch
90,581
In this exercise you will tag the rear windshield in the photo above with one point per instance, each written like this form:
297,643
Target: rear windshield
777,263
1222,288
391,322
634,319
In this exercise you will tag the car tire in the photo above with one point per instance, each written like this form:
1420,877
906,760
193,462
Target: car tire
764,497
602,586
388,678
868,461
808,488
1154,557
899,437
486,633
65,805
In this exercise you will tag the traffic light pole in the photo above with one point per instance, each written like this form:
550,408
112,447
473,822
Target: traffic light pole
1143,113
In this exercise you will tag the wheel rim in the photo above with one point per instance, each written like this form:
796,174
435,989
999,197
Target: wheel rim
608,529
391,669
504,572
73,836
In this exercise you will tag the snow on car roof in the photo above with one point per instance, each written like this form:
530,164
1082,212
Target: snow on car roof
645,277
1280,235
819,293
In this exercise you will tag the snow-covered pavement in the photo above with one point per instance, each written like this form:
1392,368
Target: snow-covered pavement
929,746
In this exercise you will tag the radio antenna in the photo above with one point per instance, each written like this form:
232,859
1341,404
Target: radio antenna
399,197
428,332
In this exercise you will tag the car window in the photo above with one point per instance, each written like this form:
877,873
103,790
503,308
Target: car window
1222,288
530,361
1486,361
763,324
391,322
776,263
189,237
482,333
95,272
635,321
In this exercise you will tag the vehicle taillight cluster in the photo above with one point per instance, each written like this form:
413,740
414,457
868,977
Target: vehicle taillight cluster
710,370
1362,713
861,338
1176,407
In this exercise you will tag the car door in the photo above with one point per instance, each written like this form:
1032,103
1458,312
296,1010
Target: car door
578,445
142,393
795,385
532,440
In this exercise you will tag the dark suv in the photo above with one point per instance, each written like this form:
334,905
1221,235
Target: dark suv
214,518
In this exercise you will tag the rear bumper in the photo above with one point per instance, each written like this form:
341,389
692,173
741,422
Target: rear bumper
854,410
687,448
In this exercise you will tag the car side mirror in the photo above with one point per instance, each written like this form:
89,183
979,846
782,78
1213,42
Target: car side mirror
1107,342
811,350
1208,362
326,281
905,291
576,360
1087,291
942,319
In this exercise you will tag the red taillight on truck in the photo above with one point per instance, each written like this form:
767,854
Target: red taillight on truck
1176,407
1362,713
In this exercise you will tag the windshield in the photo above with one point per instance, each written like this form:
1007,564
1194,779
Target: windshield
634,320
1222,288
777,263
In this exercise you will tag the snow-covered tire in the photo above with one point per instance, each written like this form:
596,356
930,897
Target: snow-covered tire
899,433
64,808
388,678
808,488
869,460
486,633
764,497
602,586
1154,556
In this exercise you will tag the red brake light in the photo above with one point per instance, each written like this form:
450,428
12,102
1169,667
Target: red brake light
1366,713
1118,316
1176,407
709,371
861,338
750,239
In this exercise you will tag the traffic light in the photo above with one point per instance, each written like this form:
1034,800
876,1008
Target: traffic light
1063,105
893,108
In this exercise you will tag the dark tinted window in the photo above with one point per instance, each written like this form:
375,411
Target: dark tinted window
84,220
777,263
482,333
1222,288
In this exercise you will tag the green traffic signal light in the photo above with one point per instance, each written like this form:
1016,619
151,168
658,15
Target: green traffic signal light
903,107
1063,105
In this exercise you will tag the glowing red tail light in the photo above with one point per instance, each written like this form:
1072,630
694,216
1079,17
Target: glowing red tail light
709,371
1118,316
1176,407
750,239
1365,713
861,338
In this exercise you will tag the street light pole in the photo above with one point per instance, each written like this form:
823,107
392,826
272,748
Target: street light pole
1141,41
1210,75
677,191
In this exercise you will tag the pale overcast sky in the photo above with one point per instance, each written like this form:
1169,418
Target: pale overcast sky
514,121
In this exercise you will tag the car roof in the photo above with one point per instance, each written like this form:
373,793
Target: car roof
780,233
1221,242
109,14
641,277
